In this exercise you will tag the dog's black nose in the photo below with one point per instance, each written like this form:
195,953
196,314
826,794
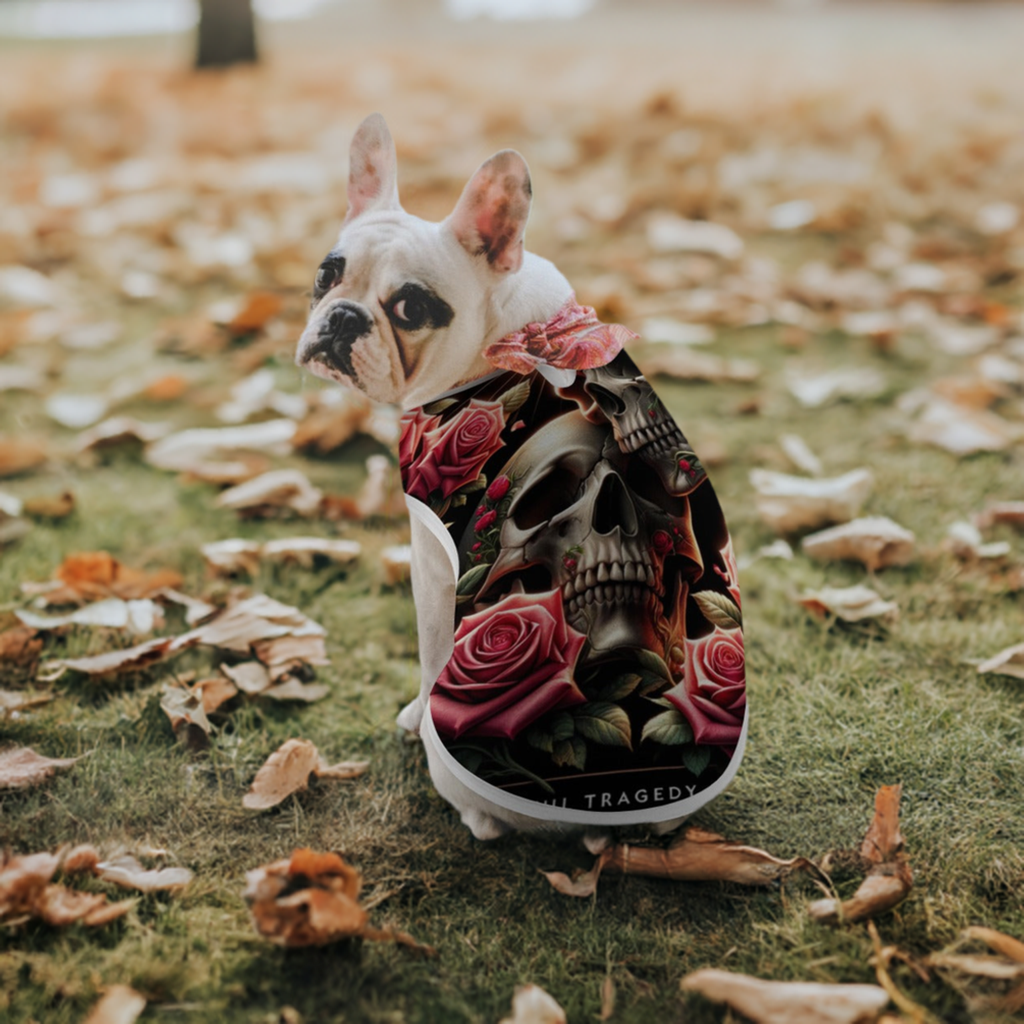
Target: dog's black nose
342,326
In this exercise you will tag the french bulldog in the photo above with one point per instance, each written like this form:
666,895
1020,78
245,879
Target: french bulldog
576,594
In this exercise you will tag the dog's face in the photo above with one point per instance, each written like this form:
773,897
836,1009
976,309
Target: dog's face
401,306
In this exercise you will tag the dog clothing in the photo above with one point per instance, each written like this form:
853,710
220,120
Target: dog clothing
596,673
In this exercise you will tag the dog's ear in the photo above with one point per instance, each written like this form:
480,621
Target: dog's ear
490,217
372,169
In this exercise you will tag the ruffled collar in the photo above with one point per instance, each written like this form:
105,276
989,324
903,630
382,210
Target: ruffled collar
573,339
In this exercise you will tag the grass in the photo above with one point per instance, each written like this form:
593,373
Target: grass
835,712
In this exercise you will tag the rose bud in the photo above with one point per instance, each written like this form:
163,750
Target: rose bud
485,521
499,488
663,543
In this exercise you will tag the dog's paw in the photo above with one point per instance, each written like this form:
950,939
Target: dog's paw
482,825
410,716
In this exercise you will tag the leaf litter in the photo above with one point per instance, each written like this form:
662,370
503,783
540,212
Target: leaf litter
289,769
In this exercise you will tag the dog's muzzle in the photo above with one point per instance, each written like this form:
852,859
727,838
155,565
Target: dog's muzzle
341,327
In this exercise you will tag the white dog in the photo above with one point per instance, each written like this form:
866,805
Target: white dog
576,594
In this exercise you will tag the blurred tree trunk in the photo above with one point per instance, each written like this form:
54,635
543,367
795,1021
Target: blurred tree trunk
227,33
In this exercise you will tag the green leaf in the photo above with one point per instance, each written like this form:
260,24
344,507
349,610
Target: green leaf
470,580
536,737
438,407
650,662
570,753
474,485
620,687
562,726
696,758
649,683
604,723
669,728
718,609
458,500
514,399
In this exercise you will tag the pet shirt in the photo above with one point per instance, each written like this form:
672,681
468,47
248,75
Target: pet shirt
596,673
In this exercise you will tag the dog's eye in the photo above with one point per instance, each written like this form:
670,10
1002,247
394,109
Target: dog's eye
329,274
414,307
409,312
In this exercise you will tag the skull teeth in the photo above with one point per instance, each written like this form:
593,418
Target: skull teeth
612,583
616,593
662,437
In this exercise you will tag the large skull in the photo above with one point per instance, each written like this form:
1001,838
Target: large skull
576,521
642,425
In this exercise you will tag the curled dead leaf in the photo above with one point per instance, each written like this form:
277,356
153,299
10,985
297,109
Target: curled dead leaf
788,503
19,455
397,564
875,541
187,715
532,1005
1008,662
119,1005
127,872
963,539
851,604
288,770
22,767
280,489
789,1002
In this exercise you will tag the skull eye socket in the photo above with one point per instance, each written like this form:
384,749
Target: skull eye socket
608,402
552,493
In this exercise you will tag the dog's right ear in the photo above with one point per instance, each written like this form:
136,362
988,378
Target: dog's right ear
490,217
372,169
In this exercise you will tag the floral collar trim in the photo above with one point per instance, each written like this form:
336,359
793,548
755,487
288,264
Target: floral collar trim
573,339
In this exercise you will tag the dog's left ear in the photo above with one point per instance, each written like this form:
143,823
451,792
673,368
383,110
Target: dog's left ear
372,169
490,217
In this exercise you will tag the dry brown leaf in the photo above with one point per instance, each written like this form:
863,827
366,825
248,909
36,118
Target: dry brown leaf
397,564
22,881
188,718
788,503
309,551
287,655
60,907
789,1002
130,659
981,966
241,625
341,414
140,616
890,879
1009,512
203,451
259,307
250,677
812,389
288,770
80,859
1000,942
961,430
684,364
58,506
963,539
532,1005
128,873
875,541
799,453
19,700
120,430
280,489
1008,662
22,767
607,998
20,648
92,575
293,689
19,455
232,557
695,855
214,692
312,899
120,1005
851,604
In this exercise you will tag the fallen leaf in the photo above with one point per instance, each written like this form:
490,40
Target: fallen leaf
799,453
308,551
695,855
270,492
789,503
288,771
963,539
76,411
195,609
205,450
20,648
80,859
258,308
1008,662
89,575
1001,943
812,390
532,1005
287,655
1009,512
214,692
244,623
188,717
607,998
167,388
128,873
119,1005
667,232
293,689
19,455
981,966
22,767
19,700
312,899
22,881
685,364
139,617
397,564
59,506
789,1002
232,557
875,541
250,677
890,879
963,431
120,430
130,659
851,604
341,413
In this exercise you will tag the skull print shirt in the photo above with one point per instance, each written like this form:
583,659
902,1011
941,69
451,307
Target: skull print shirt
597,669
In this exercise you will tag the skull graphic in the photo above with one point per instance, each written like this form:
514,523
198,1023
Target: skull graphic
588,519
642,425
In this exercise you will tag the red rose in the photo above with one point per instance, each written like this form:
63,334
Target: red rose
414,425
499,488
512,663
485,521
663,543
712,695
454,452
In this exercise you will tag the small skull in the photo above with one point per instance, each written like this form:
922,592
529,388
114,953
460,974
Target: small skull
621,560
642,424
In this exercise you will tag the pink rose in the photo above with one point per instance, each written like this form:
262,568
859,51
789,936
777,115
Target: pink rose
414,425
730,577
499,488
712,695
512,663
454,452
